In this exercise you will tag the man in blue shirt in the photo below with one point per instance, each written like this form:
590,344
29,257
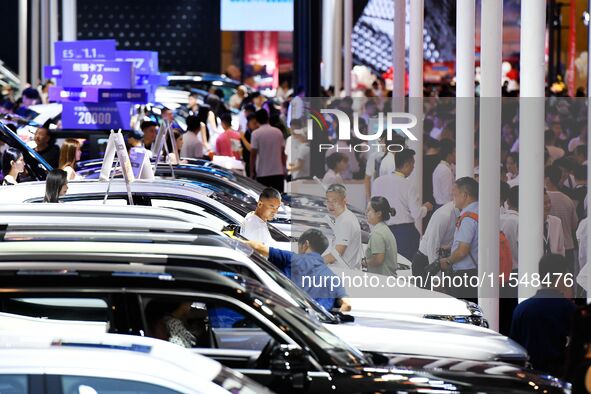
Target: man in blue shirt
464,250
542,324
308,270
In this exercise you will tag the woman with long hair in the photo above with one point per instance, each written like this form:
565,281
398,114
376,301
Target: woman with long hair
56,185
381,256
175,157
13,164
69,155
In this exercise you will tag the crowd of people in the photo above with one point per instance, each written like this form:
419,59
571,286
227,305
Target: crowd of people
270,138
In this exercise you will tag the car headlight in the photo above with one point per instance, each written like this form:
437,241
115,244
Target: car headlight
475,317
464,319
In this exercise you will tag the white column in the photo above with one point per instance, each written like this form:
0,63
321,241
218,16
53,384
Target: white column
327,42
34,43
337,46
53,28
531,139
415,80
588,240
490,153
44,35
69,17
465,36
399,48
23,48
347,31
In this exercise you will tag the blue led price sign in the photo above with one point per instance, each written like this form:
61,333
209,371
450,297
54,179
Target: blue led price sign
87,49
97,73
87,116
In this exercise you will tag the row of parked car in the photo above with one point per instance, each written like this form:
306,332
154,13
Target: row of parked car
83,270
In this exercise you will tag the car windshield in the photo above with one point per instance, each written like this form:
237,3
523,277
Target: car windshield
300,296
311,333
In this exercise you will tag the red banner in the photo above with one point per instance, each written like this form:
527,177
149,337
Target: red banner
572,47
261,59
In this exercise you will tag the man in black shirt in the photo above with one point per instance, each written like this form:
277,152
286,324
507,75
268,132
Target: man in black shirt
46,146
542,323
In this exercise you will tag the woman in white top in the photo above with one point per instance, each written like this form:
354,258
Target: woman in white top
13,164
69,155
195,144
337,163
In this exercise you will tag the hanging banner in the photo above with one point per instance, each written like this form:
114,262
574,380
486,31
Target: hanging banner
261,59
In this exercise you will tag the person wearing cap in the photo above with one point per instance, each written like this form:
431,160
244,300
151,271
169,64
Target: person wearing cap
134,139
402,195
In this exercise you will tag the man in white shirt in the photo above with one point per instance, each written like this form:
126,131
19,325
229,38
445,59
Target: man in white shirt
345,249
443,176
254,227
403,197
438,235
553,231
509,223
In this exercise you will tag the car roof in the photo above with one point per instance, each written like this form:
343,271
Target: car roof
30,190
102,217
103,352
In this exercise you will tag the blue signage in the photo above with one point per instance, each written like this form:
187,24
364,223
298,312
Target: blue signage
131,95
144,62
97,73
84,50
86,116
99,85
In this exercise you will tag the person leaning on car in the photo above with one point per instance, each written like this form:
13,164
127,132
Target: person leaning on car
254,226
308,263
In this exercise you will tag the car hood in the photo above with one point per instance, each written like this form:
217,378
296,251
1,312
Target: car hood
478,376
432,338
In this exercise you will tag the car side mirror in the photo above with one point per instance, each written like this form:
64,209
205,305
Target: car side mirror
289,360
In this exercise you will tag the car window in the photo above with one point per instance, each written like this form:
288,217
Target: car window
94,385
72,315
195,323
195,207
117,201
14,384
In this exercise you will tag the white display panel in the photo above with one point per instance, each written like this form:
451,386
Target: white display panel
257,15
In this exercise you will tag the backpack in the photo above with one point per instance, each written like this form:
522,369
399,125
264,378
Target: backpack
505,256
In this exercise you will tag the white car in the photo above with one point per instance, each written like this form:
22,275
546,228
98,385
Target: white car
97,363
372,331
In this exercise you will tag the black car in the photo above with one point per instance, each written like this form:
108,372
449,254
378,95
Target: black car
239,323
245,191
36,167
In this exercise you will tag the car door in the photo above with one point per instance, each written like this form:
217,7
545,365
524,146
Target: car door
220,328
